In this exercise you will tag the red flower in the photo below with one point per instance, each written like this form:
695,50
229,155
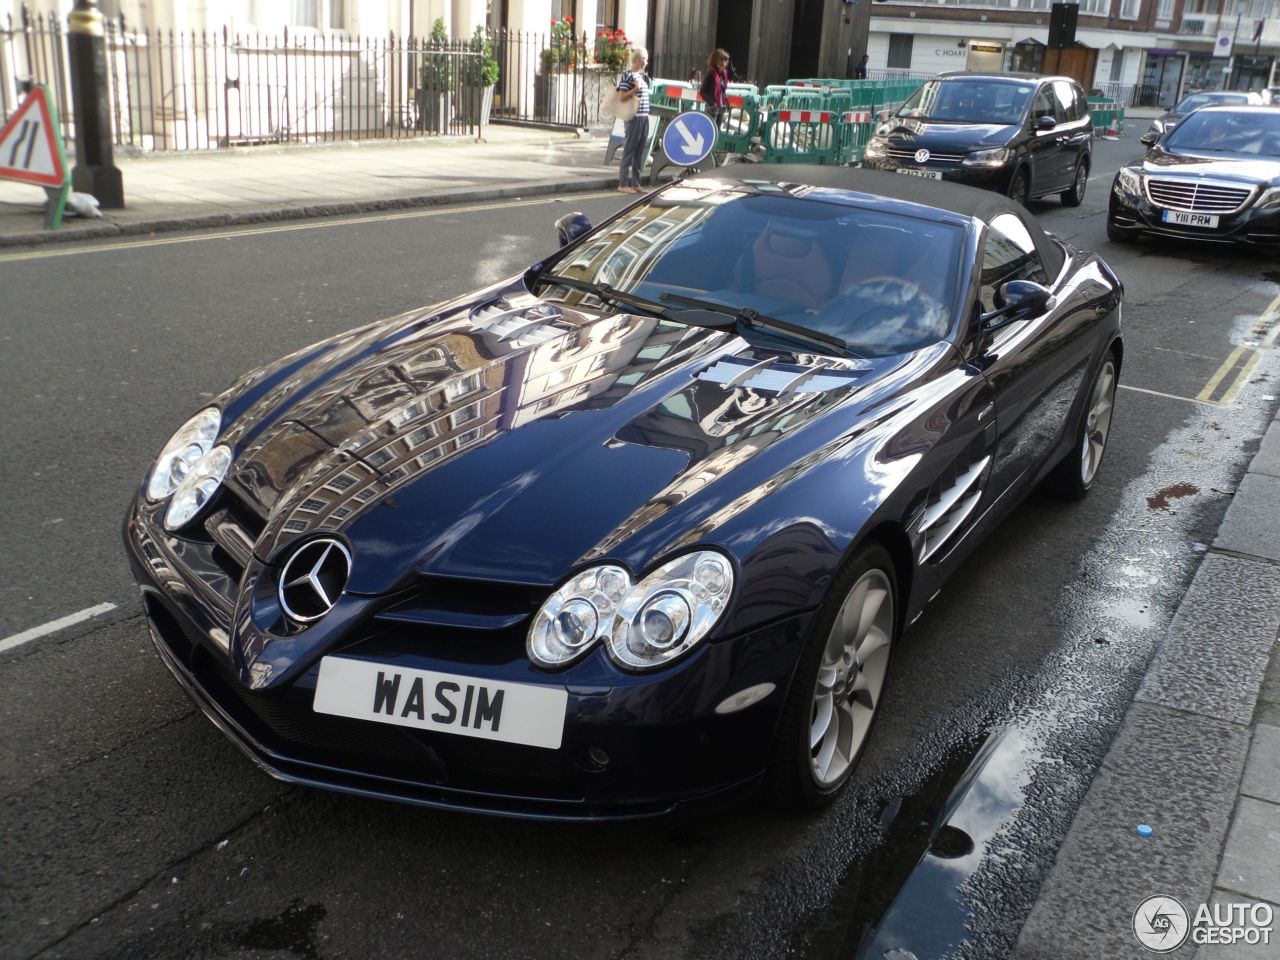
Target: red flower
554,22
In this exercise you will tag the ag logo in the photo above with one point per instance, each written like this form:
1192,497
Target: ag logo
922,155
1161,924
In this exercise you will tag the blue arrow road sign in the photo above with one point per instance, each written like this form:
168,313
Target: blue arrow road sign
689,138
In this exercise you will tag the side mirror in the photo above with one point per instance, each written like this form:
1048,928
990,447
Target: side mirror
1045,122
1016,300
1147,139
571,226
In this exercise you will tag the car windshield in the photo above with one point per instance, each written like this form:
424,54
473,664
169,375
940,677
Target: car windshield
1252,132
882,283
1198,100
972,101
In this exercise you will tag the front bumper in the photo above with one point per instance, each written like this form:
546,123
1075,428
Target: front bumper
1133,211
986,178
633,746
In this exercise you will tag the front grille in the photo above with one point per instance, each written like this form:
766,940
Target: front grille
934,157
1197,196
234,527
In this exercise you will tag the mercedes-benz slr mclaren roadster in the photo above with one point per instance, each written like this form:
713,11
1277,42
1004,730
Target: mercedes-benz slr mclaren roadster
637,528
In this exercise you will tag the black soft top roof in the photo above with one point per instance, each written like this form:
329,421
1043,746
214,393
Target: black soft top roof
955,198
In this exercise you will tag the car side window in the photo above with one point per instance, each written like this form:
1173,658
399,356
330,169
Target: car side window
1081,111
1043,105
1066,101
1008,253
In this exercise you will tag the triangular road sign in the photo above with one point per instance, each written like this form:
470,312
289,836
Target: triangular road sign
30,145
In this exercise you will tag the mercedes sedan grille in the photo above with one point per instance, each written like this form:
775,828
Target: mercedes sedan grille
1197,196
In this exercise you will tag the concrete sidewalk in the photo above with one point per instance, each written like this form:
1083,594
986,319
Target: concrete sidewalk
1197,758
244,185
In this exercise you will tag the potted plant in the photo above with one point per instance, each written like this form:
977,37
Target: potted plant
613,50
479,74
435,80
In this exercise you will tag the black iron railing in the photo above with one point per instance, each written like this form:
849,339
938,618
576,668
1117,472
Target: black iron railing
174,90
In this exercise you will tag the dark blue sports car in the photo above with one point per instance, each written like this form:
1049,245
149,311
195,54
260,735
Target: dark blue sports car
639,527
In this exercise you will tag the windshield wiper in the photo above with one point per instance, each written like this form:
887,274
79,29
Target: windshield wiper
604,292
753,319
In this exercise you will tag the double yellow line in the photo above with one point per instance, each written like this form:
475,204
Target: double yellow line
1235,370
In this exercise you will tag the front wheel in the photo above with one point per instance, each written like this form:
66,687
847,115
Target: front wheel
1074,476
1074,196
835,694
1020,188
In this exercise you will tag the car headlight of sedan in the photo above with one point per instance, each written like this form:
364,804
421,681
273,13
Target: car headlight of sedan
185,449
643,625
996,157
197,487
1129,181
876,149
1270,199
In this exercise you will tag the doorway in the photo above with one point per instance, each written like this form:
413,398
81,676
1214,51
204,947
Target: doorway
806,39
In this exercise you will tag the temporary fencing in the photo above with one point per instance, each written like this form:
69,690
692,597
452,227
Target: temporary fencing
1107,117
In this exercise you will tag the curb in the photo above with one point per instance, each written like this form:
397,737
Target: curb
96,231
1179,756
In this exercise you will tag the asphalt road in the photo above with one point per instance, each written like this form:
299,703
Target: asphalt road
132,829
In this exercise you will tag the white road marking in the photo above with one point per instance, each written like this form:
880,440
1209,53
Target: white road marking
53,626
1169,396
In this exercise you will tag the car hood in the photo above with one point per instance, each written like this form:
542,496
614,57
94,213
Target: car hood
1246,168
950,137
512,438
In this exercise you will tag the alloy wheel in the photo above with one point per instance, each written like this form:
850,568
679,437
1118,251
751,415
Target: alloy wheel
1097,421
851,677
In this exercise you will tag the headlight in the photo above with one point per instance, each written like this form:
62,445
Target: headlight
670,610
643,625
1129,180
1269,199
183,451
987,158
577,615
197,487
876,149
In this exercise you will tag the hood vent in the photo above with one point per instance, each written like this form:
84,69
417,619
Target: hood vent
524,325
784,378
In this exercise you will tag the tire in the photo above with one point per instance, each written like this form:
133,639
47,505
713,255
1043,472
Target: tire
843,669
1020,188
1075,475
1074,195
1121,234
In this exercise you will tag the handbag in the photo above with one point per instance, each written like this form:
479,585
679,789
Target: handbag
613,105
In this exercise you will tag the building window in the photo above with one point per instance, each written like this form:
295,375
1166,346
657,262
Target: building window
1117,66
1164,10
1097,8
1129,9
607,13
318,14
899,51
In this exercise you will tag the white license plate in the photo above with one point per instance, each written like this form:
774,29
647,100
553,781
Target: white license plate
491,710
1189,219
917,172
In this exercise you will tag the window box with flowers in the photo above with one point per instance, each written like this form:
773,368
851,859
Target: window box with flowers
565,52
613,50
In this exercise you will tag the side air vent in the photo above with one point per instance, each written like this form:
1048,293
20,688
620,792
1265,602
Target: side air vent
525,325
943,516
783,378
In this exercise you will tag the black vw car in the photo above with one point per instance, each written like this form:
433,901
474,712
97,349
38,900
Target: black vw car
639,526
1215,177
1018,134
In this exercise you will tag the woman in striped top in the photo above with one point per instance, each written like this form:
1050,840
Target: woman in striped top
634,83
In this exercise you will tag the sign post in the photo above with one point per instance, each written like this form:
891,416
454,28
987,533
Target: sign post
31,152
688,139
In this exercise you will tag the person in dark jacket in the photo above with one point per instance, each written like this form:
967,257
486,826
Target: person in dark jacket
634,83
715,86
860,72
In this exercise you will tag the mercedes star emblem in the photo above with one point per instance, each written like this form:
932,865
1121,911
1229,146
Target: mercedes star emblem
313,579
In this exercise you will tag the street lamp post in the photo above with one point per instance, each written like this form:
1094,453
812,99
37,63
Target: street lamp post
95,171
